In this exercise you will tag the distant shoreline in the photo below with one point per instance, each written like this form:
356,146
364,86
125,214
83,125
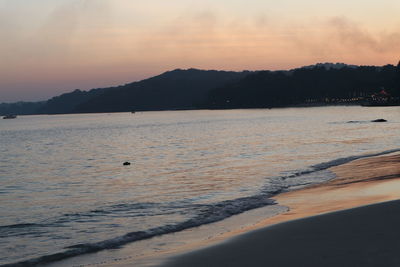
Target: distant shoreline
306,105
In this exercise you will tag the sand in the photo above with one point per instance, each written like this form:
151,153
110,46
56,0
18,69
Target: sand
365,236
311,233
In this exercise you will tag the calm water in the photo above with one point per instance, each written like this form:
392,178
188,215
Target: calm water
63,188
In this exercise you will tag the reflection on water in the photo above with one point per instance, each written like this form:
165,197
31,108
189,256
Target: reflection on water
62,181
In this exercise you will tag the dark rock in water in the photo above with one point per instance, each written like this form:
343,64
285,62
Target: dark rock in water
126,163
379,120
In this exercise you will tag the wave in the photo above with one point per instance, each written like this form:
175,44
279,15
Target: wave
208,213
18,225
341,161
24,229
336,162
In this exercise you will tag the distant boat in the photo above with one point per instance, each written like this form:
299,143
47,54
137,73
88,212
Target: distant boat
10,116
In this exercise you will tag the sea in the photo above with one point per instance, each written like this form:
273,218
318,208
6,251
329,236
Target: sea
65,192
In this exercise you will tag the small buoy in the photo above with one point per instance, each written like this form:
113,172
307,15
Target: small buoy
126,163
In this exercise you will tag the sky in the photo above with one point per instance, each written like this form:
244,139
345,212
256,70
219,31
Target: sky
48,47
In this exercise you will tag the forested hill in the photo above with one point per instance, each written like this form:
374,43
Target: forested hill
67,103
178,89
325,83
321,83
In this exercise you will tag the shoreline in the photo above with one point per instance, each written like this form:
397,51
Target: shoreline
344,192
359,186
360,182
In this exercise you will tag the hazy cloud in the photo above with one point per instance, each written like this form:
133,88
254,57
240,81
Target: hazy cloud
342,38
207,37
350,34
54,37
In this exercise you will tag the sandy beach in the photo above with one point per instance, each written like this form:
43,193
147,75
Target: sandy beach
332,224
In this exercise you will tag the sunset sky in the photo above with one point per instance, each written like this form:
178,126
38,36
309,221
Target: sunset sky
52,46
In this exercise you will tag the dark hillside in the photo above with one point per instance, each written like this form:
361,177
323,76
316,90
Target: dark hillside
67,103
305,85
178,89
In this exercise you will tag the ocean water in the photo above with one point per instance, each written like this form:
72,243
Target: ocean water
64,190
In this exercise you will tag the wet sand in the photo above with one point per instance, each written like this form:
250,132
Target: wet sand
311,233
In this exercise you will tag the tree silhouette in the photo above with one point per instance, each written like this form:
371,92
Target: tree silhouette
318,84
